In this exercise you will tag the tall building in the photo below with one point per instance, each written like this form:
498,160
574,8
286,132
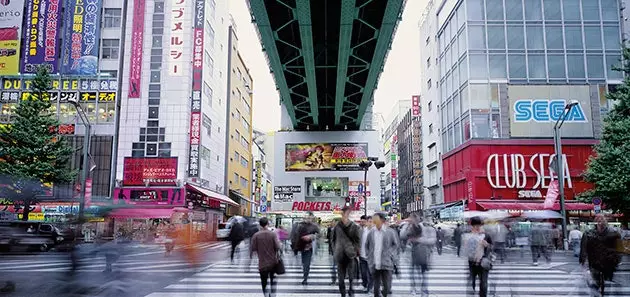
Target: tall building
506,71
410,177
239,146
389,137
261,180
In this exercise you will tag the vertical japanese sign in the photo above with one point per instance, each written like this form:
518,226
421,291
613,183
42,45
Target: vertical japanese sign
41,34
178,30
137,37
415,106
197,78
259,177
11,13
81,37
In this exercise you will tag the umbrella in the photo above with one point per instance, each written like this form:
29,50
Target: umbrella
541,214
488,215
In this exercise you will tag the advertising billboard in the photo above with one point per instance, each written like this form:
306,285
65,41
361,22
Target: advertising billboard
152,171
81,40
179,33
85,89
41,35
10,31
197,79
150,196
137,37
324,156
535,109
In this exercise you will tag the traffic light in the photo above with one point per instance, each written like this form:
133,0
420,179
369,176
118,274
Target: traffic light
347,201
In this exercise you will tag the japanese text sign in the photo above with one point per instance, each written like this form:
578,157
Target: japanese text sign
137,37
41,34
81,37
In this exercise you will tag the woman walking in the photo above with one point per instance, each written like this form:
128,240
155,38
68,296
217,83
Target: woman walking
266,244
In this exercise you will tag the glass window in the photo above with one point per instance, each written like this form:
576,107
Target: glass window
106,111
463,70
477,37
207,90
456,105
516,37
209,63
461,43
478,63
457,134
465,105
112,17
237,156
494,9
518,67
326,187
479,96
496,37
595,66
449,111
611,37
554,37
552,10
455,77
533,10
481,126
448,58
610,12
575,66
497,66
593,37
535,38
536,66
514,10
571,10
449,85
461,15
556,66
451,144
210,33
573,36
244,182
613,61
475,10
244,161
443,115
590,10
109,48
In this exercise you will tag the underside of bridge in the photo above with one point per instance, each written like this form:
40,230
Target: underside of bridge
326,55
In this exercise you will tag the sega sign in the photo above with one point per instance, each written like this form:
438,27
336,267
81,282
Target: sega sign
541,110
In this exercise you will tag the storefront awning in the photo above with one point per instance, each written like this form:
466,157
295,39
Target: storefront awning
239,195
521,205
443,205
141,213
214,195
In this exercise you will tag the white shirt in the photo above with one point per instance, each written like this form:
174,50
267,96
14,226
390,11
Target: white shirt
378,246
364,236
575,235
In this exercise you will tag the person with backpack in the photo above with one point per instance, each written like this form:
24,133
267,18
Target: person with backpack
478,249
303,236
346,246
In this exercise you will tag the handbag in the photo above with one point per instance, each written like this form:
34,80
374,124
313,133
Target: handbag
279,269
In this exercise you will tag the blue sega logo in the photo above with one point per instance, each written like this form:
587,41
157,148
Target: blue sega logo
541,110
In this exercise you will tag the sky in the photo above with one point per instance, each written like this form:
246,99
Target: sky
399,80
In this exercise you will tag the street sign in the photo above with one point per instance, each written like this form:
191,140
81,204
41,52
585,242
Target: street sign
597,208
597,201
360,188
263,208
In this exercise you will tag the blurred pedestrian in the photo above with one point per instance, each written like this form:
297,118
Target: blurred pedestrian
346,247
330,233
420,253
599,252
477,246
237,235
539,240
440,240
575,239
283,235
382,248
302,237
265,243
457,238
366,275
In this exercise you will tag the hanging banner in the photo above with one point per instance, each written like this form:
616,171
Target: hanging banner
11,13
197,78
137,36
41,35
552,194
81,37
179,30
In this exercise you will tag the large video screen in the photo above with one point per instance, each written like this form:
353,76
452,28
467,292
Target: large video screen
324,156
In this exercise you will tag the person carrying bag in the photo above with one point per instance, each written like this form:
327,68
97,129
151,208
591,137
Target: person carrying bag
266,244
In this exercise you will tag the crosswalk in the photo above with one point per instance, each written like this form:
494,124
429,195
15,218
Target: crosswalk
447,278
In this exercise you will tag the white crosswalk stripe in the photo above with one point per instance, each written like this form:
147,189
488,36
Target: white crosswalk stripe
447,277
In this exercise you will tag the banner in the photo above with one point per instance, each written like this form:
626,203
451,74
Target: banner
152,171
11,13
137,37
197,79
179,33
552,194
324,156
81,39
41,35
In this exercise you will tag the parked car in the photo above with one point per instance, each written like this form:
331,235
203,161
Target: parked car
34,236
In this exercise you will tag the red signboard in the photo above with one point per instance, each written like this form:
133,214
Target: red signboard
152,171
415,106
512,170
137,37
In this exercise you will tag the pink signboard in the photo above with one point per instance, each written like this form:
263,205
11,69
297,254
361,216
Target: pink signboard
150,171
415,106
150,196
197,78
137,37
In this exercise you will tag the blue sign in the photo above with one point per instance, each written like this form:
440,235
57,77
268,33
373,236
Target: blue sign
546,111
597,201
82,33
263,208
360,188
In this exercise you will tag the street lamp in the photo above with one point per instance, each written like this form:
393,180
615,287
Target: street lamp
365,165
557,140
86,154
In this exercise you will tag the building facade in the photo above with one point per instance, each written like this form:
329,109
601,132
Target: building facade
506,71
239,175
410,164
389,136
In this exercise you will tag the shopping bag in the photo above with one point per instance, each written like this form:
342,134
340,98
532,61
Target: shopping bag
280,269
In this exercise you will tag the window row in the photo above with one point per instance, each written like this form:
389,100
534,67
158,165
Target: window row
536,10
97,112
141,149
239,180
482,125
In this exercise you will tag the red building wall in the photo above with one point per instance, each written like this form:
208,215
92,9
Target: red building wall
465,170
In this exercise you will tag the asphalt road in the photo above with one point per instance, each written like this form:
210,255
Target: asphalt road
140,270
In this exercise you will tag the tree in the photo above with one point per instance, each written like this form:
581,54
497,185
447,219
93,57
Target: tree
31,152
609,168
